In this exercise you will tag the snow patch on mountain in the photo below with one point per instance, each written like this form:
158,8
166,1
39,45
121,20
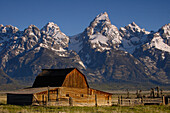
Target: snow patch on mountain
158,43
127,46
96,38
81,63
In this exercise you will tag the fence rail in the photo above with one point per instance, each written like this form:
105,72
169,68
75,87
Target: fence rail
140,101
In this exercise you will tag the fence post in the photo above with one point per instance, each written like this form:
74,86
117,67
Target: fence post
95,100
56,94
48,93
118,100
108,100
121,100
127,93
157,91
161,92
163,100
142,100
70,101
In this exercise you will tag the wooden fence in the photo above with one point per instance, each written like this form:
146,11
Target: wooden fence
140,101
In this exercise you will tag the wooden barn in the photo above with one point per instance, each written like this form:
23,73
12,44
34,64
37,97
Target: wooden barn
60,87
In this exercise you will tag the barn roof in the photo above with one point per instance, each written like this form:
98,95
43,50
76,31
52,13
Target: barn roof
31,90
56,72
53,77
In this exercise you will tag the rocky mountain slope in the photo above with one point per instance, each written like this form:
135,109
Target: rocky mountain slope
111,54
103,52
24,53
4,78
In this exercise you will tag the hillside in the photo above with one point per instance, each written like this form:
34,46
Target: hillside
7,83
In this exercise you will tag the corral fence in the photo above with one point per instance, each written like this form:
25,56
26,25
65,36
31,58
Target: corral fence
141,101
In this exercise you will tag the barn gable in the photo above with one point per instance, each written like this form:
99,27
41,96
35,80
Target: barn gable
75,79
69,77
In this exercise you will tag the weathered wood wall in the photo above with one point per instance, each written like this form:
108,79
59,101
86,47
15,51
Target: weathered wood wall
79,97
75,79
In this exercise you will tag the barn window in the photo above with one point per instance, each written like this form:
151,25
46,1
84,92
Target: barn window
82,95
67,95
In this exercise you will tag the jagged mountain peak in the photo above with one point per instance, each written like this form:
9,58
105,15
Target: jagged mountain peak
165,32
133,27
133,37
132,30
32,31
102,16
100,35
102,25
53,37
100,20
51,29
8,29
166,26
133,24
32,27
50,26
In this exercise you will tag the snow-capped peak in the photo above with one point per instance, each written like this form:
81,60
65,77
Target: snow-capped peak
53,36
52,24
166,26
101,35
102,16
134,24
100,20
165,31
8,29
133,36
134,27
31,28
50,29
132,30
32,31
101,25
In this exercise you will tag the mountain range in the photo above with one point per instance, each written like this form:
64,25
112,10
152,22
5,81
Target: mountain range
105,54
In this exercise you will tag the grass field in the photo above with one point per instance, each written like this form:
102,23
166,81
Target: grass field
4,108
104,109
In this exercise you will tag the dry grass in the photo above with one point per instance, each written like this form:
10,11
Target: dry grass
3,98
104,109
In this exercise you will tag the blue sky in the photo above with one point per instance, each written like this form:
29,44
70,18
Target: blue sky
73,16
